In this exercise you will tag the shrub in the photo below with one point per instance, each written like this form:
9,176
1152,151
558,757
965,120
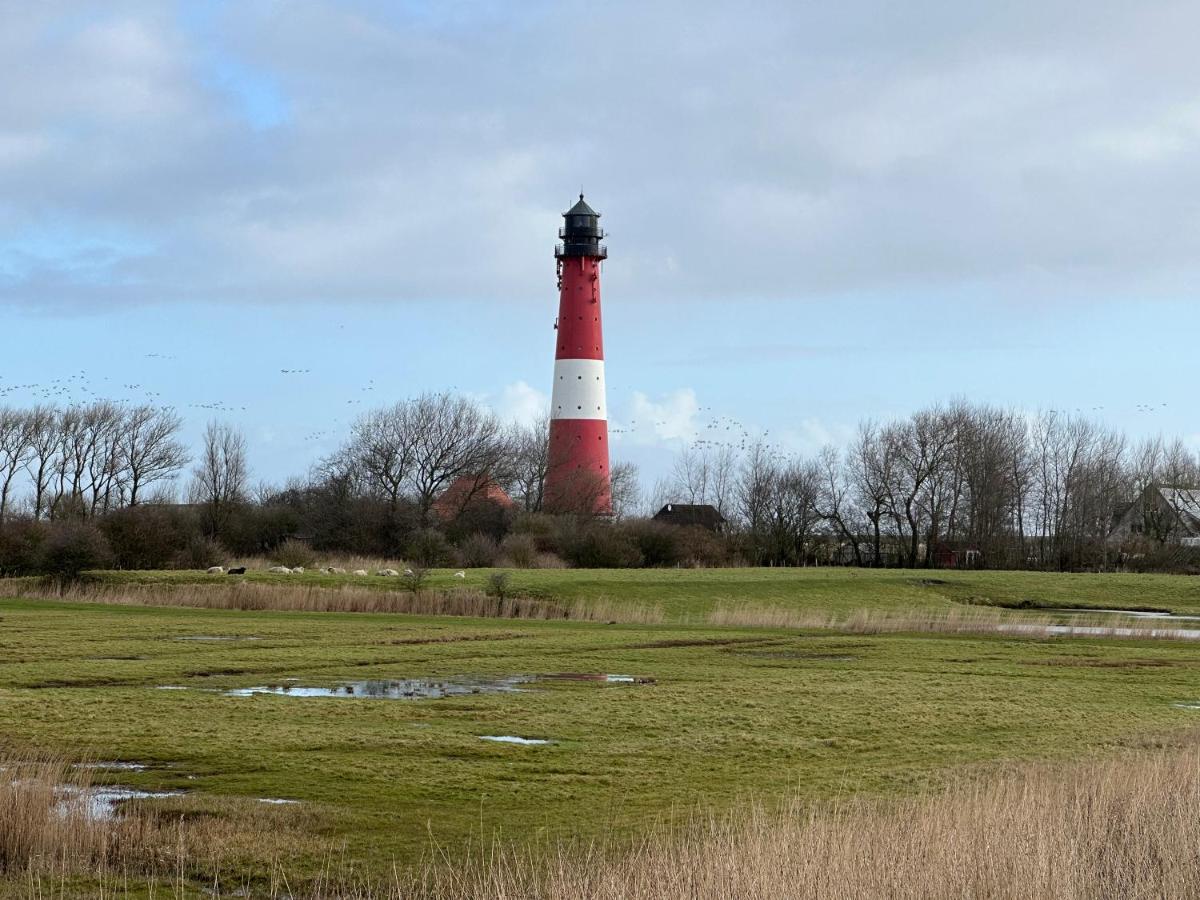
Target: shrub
21,547
73,547
602,547
414,577
520,550
201,552
478,552
145,537
429,548
497,585
700,547
544,530
293,553
659,544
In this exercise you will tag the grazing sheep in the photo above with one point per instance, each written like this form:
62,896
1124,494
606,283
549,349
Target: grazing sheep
360,571
280,570
388,573
216,570
299,570
240,570
334,570
460,574
409,573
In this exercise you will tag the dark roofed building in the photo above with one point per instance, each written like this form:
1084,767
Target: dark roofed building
1169,515
702,515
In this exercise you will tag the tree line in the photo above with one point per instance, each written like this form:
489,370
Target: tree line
958,484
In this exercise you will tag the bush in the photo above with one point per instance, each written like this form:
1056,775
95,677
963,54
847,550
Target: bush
700,547
21,547
478,552
201,552
602,547
659,544
520,550
146,537
73,547
429,547
293,553
497,585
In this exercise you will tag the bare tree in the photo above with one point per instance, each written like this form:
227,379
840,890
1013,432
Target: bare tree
16,447
529,461
149,448
625,489
221,476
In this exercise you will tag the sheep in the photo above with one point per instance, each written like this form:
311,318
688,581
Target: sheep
240,570
408,573
299,570
334,570
216,570
387,573
360,572
280,570
460,574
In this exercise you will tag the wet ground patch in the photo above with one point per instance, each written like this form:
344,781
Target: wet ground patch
104,801
513,739
1089,662
394,689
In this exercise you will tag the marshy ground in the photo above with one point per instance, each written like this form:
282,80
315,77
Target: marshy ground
233,707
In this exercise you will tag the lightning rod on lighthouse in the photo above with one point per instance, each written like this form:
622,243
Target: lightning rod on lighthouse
577,474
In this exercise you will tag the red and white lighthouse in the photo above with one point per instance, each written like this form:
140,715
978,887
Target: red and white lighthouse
577,475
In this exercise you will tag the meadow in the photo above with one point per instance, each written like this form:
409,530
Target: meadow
718,718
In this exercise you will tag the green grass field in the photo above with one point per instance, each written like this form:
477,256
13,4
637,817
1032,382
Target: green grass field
733,712
687,595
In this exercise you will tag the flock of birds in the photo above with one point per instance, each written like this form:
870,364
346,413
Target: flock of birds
719,432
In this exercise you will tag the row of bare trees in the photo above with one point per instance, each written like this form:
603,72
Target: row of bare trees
85,460
957,484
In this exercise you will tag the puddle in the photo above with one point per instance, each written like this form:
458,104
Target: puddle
408,689
277,801
1128,613
218,637
121,766
595,676
104,802
511,739
1186,705
170,687
1188,634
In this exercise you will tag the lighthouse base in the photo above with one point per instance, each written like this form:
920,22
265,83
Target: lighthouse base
577,473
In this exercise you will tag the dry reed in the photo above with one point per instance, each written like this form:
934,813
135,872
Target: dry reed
965,621
242,595
1125,827
1117,828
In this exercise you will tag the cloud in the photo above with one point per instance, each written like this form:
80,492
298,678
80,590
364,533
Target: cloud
670,418
521,403
361,151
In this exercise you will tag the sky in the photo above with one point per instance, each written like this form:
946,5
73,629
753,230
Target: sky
281,214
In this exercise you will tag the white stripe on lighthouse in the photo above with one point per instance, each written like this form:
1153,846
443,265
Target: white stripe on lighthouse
578,389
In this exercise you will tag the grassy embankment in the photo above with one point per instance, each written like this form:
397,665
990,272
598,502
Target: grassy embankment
690,595
735,713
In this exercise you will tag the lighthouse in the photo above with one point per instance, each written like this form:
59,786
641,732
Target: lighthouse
577,473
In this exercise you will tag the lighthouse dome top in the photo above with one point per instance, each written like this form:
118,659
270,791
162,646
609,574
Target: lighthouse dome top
581,209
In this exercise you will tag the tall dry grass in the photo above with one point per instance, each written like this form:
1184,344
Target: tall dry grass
53,843
242,595
1122,828
973,620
